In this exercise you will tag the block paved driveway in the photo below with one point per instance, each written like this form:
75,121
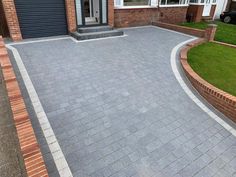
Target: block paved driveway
117,109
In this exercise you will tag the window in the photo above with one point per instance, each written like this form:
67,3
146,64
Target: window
174,2
202,1
118,2
193,1
151,3
136,2
133,3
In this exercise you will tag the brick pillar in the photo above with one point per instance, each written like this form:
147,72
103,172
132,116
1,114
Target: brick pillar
210,32
111,12
70,15
196,12
12,19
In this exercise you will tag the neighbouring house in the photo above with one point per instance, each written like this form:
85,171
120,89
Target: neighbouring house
201,10
30,19
221,7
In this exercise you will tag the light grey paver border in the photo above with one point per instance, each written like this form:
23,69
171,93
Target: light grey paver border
57,154
174,53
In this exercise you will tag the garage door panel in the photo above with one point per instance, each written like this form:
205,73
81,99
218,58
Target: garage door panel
41,18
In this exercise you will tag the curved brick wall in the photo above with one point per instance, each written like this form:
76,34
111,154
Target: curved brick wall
221,100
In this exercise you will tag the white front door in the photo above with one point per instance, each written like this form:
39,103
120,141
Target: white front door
220,7
207,8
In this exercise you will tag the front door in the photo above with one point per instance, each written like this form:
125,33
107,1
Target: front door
91,12
207,8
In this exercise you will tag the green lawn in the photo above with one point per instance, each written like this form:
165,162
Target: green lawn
225,32
216,64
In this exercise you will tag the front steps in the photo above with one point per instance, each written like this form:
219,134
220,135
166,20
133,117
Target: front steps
86,33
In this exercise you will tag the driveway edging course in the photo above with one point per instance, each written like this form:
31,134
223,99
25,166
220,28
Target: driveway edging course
57,154
30,150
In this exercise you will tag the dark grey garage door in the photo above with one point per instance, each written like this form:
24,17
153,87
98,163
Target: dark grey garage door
41,18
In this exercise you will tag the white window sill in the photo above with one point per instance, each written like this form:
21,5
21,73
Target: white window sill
146,7
200,4
134,7
174,5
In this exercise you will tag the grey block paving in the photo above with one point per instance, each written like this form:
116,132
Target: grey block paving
118,111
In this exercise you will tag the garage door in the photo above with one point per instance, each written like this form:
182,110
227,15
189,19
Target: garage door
41,18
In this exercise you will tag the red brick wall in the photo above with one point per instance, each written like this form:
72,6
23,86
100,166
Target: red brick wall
145,16
210,32
12,19
70,15
196,11
182,29
135,17
213,9
173,15
111,12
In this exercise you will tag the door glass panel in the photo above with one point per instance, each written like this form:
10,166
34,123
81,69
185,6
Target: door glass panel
78,12
91,12
104,11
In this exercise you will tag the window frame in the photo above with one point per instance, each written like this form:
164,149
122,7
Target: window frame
122,6
154,4
203,3
174,5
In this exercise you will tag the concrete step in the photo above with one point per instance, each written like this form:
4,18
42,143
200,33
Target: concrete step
95,35
94,29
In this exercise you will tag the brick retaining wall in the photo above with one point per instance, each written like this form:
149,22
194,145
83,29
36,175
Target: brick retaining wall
221,100
30,150
182,29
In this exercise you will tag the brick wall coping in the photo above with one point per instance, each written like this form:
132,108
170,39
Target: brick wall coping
182,29
29,146
224,102
225,44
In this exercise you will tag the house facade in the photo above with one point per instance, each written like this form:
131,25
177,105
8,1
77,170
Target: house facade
30,19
